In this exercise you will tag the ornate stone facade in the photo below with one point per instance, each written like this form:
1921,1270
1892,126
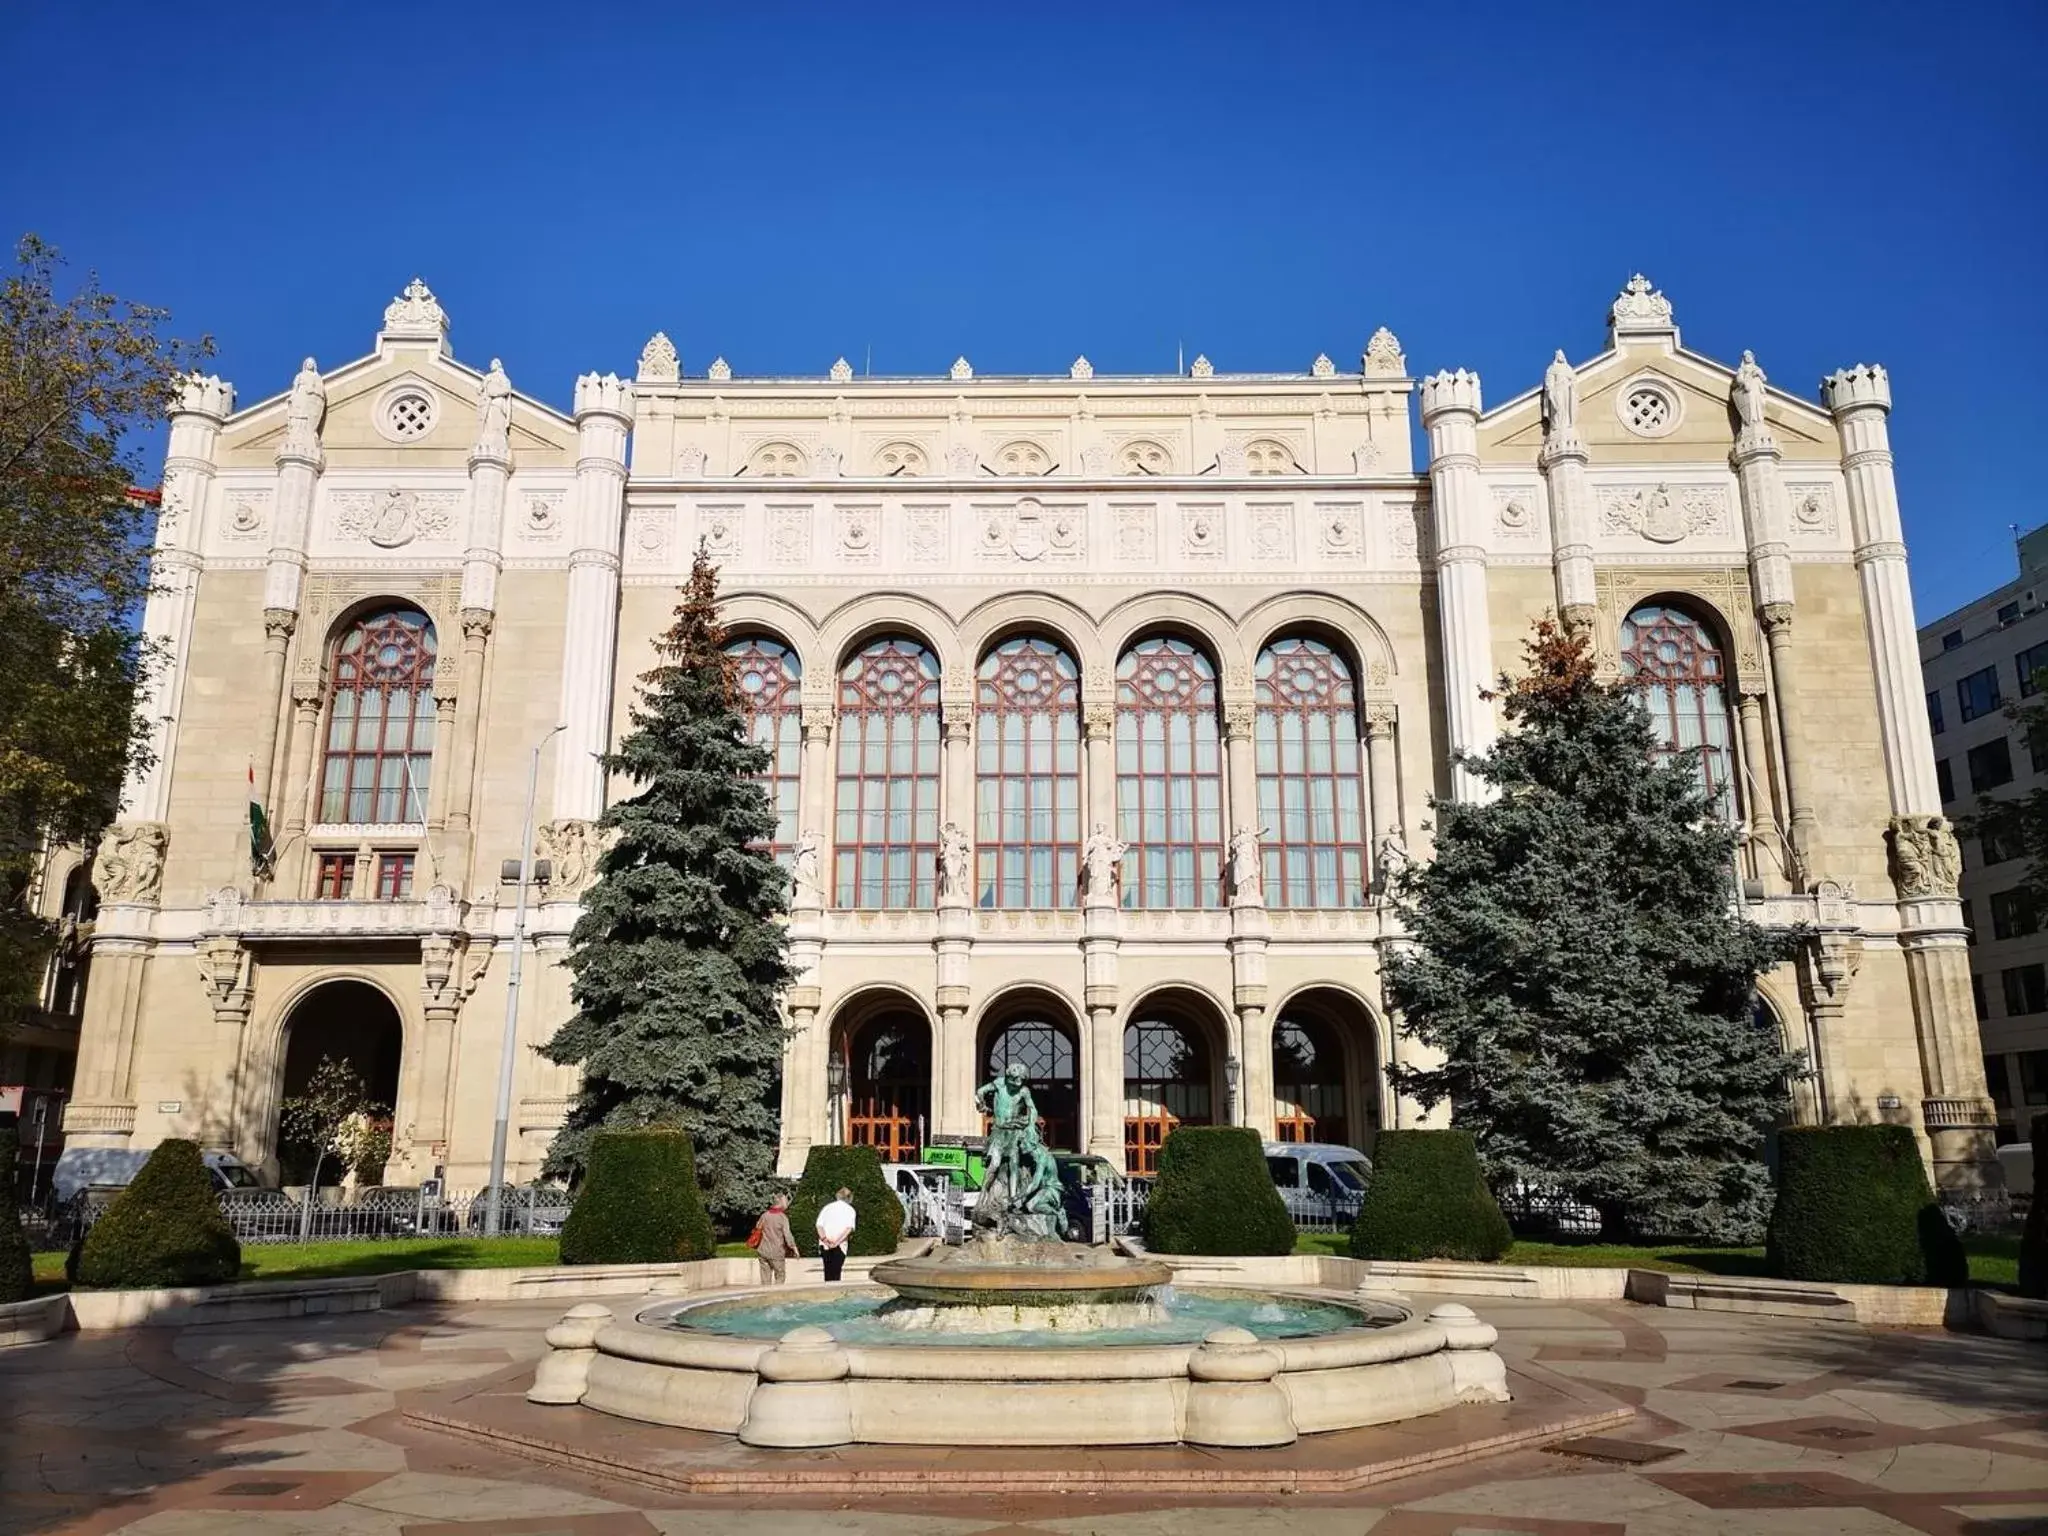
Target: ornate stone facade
1196,567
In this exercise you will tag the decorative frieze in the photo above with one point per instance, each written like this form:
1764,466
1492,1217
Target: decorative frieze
1029,531
1664,514
1813,510
129,864
393,518
924,534
1272,532
1516,514
789,535
1137,535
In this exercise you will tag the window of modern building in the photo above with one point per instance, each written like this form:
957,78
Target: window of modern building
2037,751
1996,850
2008,613
333,876
2034,1076
1944,779
1952,640
886,831
770,679
1311,777
2026,989
1997,1082
1169,775
1978,693
2012,914
1990,764
394,876
1977,997
1675,659
2029,665
1969,906
1027,743
1934,721
380,720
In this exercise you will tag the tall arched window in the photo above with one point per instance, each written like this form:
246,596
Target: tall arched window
380,721
1169,776
1673,658
1045,1051
1028,776
1311,779
768,676
1308,1081
886,842
1167,1082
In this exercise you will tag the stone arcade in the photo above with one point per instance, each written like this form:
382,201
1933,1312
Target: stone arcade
1098,706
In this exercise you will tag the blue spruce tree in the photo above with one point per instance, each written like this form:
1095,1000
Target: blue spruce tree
1579,961
679,956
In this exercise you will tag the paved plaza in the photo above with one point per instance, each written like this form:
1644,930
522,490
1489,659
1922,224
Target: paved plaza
1742,1425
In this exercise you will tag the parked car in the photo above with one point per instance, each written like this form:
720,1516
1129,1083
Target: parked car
530,1210
1087,1181
932,1205
2017,1160
81,1168
1320,1183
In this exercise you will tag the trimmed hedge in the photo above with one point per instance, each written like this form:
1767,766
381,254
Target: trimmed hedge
639,1203
1854,1206
878,1214
165,1229
1426,1200
17,1270
1216,1195
2034,1240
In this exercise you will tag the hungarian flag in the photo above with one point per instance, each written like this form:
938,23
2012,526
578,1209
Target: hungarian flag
259,830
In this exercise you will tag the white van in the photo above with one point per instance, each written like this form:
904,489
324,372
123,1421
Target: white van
82,1168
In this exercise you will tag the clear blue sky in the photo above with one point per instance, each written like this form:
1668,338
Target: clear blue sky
1825,183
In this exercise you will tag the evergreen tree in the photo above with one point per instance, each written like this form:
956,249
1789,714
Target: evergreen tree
679,956
1577,959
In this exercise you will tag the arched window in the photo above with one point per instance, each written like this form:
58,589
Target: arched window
1311,778
1167,1082
1046,1053
1673,658
778,461
380,721
768,676
1169,776
886,843
889,1085
1028,776
1308,1082
1264,456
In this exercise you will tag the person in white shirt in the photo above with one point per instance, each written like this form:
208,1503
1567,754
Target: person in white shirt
835,1231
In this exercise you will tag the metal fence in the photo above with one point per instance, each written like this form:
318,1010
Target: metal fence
275,1216
1535,1210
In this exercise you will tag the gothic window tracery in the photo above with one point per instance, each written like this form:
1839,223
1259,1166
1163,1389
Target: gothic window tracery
1169,775
380,720
901,459
1028,776
1266,456
1021,458
777,461
1143,457
1311,777
1679,667
768,678
886,832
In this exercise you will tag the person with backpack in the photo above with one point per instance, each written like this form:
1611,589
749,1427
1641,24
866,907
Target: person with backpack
773,1241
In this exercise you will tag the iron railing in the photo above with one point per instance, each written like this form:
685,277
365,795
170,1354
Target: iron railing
384,1212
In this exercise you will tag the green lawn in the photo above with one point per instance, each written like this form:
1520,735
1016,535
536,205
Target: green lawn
1994,1260
316,1261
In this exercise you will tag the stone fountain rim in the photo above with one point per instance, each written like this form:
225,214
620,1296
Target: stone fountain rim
910,1277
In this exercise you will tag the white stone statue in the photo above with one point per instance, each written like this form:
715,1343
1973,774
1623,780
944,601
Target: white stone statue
1244,861
956,862
1394,858
572,849
809,846
1102,858
129,864
1560,397
494,415
1926,860
305,410
1749,393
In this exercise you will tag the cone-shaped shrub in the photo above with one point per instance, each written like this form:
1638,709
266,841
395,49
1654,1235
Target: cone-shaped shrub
1216,1195
1854,1206
877,1213
165,1229
2034,1241
1427,1201
639,1203
17,1273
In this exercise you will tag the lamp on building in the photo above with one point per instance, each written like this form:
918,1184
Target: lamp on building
835,1090
1231,1072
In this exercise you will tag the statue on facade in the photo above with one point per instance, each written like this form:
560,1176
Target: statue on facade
1749,393
572,849
809,850
1394,859
304,410
1102,858
129,865
494,415
956,862
1560,397
1926,860
1244,862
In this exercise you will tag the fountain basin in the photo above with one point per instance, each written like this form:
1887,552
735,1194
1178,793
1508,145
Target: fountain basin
1379,1362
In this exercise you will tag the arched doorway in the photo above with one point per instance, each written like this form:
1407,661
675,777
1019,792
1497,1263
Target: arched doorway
885,1067
1326,1082
1169,1080
347,1021
1046,1047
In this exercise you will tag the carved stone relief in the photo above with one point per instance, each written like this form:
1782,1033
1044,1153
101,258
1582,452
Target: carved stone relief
1340,530
1272,531
1514,512
648,533
719,528
924,534
129,864
690,462
1201,531
393,518
541,516
248,517
1137,538
1724,589
1413,536
860,534
1030,531
789,535
1662,514
1813,510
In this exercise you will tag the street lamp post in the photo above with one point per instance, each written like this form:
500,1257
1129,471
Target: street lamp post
493,1210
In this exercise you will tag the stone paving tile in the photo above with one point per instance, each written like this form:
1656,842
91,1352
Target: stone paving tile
423,1496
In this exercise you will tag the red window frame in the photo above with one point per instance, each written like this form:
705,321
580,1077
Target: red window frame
885,845
334,876
1169,775
394,875
1027,791
1311,777
1165,1084
1673,658
380,717
769,680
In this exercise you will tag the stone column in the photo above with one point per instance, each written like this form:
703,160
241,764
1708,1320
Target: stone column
1450,414
299,462
1956,1107
228,975
603,416
1758,789
804,1108
301,781
490,473
1382,770
1251,1043
460,802
815,786
953,1110
1102,929
1563,461
1777,626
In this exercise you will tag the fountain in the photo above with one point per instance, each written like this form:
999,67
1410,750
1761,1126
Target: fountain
1016,1337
